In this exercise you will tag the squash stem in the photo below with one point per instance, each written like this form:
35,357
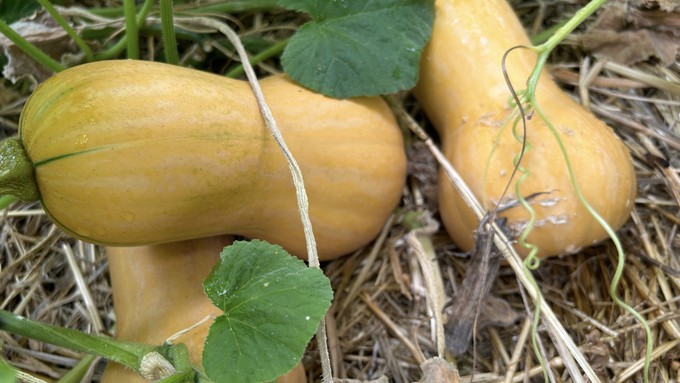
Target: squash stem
127,353
16,171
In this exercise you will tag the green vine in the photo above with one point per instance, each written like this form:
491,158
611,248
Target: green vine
126,353
131,28
130,354
89,56
30,49
621,257
117,48
168,28
531,262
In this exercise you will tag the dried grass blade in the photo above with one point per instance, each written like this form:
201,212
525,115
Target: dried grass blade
367,265
393,327
637,366
643,77
84,290
563,341
517,351
422,245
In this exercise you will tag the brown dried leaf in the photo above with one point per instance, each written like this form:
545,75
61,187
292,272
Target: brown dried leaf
43,32
630,36
494,312
497,312
438,370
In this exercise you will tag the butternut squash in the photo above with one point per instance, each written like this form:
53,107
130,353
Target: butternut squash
463,92
131,153
157,291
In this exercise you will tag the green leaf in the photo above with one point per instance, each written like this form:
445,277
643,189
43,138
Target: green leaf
358,47
13,10
272,305
7,373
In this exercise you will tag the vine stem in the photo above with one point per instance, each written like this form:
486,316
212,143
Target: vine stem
544,51
30,49
301,194
530,262
132,31
168,32
122,43
89,56
557,37
126,353
620,264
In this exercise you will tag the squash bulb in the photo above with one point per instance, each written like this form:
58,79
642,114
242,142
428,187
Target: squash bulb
464,94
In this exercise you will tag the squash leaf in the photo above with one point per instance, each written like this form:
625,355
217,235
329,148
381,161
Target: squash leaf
358,47
272,305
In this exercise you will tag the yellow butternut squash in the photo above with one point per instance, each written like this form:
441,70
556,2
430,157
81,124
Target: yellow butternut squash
158,291
462,91
132,153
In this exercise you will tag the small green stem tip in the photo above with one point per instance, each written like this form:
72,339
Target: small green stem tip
16,171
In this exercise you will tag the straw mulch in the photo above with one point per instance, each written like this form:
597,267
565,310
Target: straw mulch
381,323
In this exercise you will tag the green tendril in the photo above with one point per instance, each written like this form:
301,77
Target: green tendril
621,257
531,262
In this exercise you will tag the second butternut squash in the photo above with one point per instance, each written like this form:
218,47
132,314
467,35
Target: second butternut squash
464,94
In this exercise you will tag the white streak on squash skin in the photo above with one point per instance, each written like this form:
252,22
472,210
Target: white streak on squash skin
168,153
464,94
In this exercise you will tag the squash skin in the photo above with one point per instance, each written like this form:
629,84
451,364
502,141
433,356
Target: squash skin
468,110
134,153
157,291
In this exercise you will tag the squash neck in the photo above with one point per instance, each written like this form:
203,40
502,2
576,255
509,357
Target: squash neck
16,171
